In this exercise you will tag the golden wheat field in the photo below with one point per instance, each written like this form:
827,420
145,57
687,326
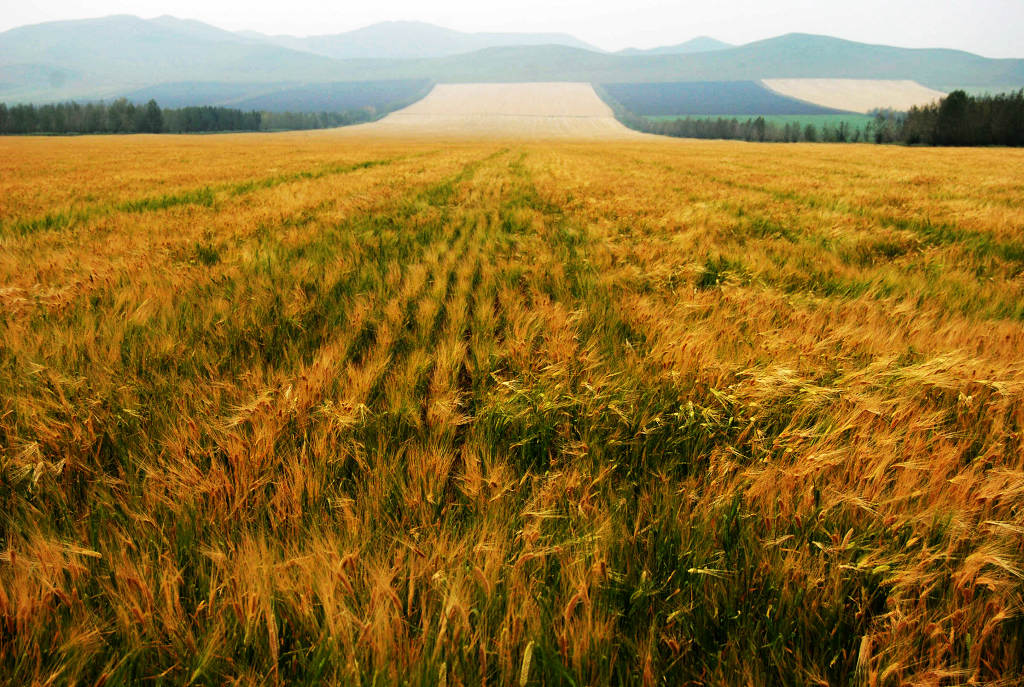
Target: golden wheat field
317,409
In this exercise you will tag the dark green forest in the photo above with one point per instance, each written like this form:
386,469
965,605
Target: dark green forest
963,120
124,117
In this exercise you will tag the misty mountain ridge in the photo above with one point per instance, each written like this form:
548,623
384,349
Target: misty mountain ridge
698,44
411,39
122,54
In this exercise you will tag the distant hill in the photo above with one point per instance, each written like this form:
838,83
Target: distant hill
119,55
809,56
198,30
412,40
791,56
699,44
96,58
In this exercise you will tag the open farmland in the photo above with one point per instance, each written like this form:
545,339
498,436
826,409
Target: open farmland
521,110
326,409
857,95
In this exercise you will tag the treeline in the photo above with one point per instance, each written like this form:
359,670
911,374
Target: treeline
124,117
758,129
963,120
956,120
276,121
208,118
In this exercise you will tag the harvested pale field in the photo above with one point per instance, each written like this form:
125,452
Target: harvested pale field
518,110
856,95
302,409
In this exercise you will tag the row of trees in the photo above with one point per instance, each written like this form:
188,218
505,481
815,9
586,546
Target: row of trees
958,119
756,129
963,120
119,116
277,121
124,117
209,118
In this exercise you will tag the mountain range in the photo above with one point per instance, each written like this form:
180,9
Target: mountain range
411,40
698,44
126,55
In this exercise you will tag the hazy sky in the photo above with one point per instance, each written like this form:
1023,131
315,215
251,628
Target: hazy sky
988,27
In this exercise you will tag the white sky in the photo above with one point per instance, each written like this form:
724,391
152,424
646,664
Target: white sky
994,28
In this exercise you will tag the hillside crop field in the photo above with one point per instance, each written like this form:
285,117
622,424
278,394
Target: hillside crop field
511,110
709,98
321,408
858,95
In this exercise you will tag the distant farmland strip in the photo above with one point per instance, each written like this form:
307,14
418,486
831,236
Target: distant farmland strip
858,95
709,98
